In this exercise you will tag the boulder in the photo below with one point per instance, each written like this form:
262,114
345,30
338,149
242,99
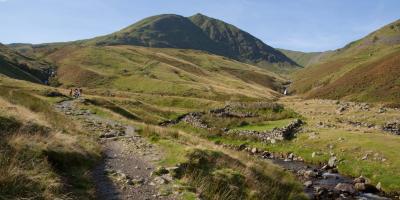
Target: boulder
241,147
365,157
308,184
341,109
333,171
321,193
360,187
392,127
360,179
310,174
382,110
266,154
332,162
160,171
167,177
379,186
346,188
366,188
160,180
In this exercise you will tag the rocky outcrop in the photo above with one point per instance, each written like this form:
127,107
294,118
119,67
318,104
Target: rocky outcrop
345,188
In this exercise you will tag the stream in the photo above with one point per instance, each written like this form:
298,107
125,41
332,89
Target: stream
323,181
319,182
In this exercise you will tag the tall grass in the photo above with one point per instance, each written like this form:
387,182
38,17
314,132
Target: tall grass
36,105
38,162
218,176
156,133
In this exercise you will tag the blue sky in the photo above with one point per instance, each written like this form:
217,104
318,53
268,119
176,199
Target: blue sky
306,25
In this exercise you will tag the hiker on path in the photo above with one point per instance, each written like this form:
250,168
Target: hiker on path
76,93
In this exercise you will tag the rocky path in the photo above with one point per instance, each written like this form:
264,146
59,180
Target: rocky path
125,172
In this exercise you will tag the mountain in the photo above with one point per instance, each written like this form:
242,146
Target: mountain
164,71
198,32
18,66
238,43
364,70
170,55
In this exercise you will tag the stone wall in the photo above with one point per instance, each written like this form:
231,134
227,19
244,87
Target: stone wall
392,127
285,133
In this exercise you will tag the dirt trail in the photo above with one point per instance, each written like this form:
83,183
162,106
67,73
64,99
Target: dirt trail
125,172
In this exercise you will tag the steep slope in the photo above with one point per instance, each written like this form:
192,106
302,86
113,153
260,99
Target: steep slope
239,44
17,66
363,70
172,31
44,155
198,32
187,73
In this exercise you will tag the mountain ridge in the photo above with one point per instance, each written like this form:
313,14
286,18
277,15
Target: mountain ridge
198,32
363,70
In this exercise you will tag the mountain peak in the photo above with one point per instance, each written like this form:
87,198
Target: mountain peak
199,15
198,32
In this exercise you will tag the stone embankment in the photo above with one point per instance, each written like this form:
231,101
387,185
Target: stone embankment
285,133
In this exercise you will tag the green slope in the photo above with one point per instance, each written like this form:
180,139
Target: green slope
167,30
305,59
201,33
163,71
239,44
364,70
17,66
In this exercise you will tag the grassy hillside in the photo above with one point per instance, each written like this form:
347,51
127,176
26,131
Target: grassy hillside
305,59
16,65
363,70
169,72
241,45
201,33
43,154
169,30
